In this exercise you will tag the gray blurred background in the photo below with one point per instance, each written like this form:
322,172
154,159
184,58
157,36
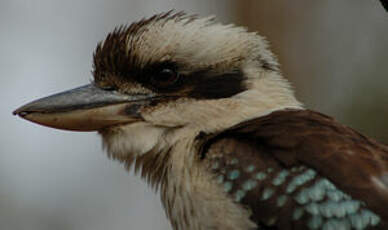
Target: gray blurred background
335,53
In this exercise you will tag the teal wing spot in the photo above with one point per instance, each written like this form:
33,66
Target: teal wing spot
315,222
298,213
282,199
335,195
338,224
296,169
234,174
220,179
313,208
228,186
249,185
351,206
326,210
267,193
216,165
250,168
234,161
261,176
315,193
280,178
329,207
239,195
370,218
302,197
300,180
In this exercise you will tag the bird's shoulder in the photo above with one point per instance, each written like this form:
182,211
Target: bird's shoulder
302,169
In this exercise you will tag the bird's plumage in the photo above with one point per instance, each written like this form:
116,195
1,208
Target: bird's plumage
202,111
295,169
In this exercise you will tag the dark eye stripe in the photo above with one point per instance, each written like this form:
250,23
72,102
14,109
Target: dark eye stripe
210,86
206,84
203,84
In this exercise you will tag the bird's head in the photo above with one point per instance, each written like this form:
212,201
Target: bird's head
165,74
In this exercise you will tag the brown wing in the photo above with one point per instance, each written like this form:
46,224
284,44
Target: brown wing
299,169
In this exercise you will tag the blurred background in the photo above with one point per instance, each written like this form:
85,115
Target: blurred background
335,53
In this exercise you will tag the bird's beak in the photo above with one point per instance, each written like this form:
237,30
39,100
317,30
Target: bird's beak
87,108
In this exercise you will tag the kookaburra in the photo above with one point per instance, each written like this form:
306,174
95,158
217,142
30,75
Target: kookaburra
202,112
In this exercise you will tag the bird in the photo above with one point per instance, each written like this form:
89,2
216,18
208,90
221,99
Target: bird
202,112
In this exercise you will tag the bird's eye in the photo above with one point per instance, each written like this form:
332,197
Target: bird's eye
164,78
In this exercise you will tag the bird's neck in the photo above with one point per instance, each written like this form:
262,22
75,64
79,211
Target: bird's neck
171,163
177,189
189,195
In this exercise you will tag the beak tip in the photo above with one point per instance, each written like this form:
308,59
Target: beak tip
17,112
21,111
22,114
